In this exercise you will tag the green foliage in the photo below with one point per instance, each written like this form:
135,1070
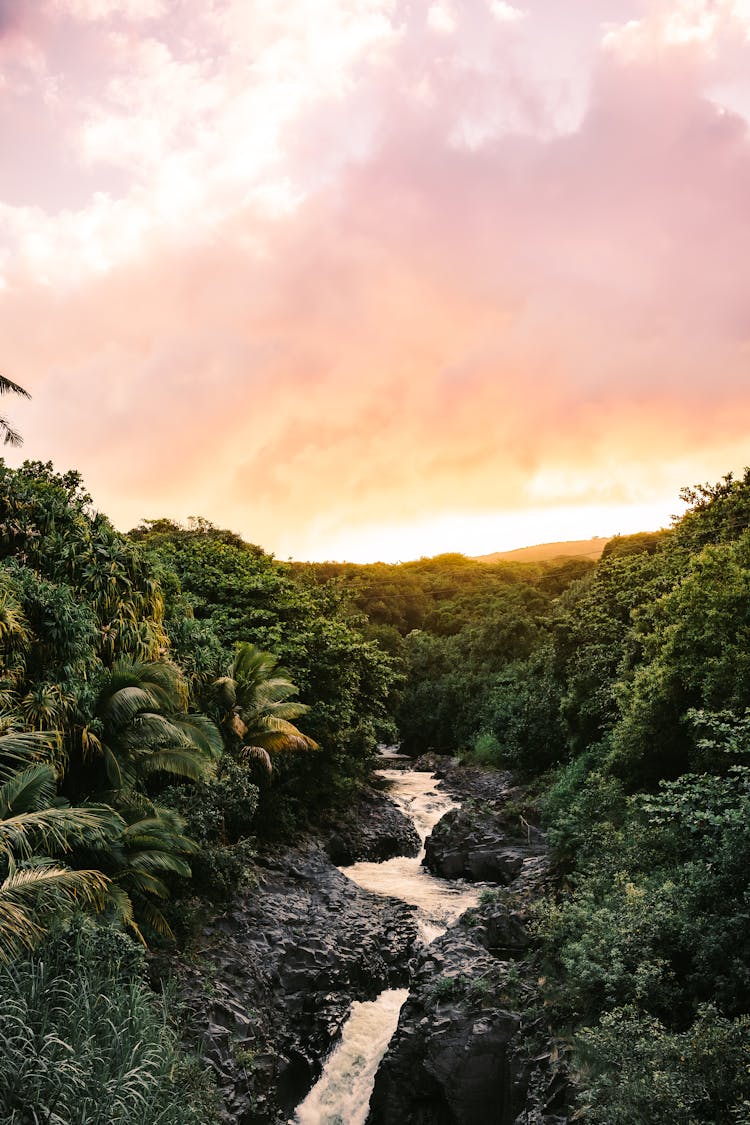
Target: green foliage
637,1072
594,644
230,593
142,727
522,714
81,1034
219,814
441,595
36,830
718,513
697,656
458,685
648,542
218,809
256,705
582,806
47,526
486,750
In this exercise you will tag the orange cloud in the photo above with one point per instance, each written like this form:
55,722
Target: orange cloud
423,302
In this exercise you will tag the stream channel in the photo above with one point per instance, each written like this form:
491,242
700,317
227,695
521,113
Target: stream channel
342,1094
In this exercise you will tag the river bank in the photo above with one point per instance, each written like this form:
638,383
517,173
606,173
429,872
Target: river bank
272,980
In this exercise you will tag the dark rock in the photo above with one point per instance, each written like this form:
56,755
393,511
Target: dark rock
375,829
466,1050
449,1061
473,842
271,980
466,782
501,931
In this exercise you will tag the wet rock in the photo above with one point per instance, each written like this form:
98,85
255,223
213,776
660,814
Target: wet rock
474,843
375,829
271,981
467,1047
467,782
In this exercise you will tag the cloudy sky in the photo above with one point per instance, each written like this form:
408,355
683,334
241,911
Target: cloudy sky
379,278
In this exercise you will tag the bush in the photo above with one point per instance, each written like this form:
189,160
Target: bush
638,1073
486,749
218,810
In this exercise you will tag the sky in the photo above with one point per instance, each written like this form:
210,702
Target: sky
375,279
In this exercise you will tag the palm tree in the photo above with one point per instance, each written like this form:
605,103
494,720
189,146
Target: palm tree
11,436
152,846
35,827
143,727
255,697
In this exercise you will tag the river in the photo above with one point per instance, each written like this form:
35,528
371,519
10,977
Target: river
342,1094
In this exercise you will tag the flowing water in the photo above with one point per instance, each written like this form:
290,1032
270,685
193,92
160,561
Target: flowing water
342,1094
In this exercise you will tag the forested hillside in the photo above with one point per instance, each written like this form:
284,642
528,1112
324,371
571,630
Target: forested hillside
167,699
175,699
623,698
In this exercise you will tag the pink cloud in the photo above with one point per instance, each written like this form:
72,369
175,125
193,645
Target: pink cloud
432,299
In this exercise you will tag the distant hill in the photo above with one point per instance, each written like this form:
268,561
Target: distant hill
574,548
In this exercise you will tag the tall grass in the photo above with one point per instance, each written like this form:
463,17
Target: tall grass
84,1041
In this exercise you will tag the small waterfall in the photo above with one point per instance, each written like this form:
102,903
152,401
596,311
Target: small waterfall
342,1094
439,901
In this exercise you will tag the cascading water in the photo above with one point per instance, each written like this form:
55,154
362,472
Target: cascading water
342,1094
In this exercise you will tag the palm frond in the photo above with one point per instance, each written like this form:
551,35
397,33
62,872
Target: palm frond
164,831
279,734
7,386
144,882
261,706
26,886
179,761
56,829
160,677
11,436
150,861
117,774
257,754
31,894
201,732
22,748
121,904
288,711
18,930
276,691
28,790
152,916
124,705
148,730
226,692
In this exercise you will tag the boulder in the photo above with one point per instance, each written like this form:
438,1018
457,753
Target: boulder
375,829
473,842
467,1047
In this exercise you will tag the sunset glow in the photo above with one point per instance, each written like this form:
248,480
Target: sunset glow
373,278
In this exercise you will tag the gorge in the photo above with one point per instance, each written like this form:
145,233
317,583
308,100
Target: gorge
331,965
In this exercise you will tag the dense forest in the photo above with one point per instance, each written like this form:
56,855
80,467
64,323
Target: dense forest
175,699
168,698
621,693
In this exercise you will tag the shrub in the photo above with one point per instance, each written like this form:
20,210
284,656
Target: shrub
639,1073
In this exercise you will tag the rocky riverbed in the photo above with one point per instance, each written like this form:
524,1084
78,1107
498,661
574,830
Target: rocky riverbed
272,979
472,1046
